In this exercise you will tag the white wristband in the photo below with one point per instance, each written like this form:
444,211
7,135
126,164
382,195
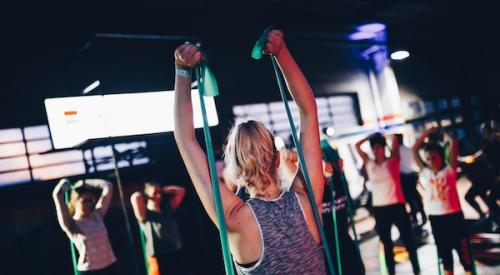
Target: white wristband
182,72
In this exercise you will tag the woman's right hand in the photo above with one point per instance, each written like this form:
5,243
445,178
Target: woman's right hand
275,43
187,56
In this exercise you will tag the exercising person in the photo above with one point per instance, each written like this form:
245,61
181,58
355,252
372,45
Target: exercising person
445,214
350,260
275,232
82,221
387,198
154,210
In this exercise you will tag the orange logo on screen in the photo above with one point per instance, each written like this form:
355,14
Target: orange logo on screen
70,113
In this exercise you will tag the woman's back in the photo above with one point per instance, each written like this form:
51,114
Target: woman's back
288,246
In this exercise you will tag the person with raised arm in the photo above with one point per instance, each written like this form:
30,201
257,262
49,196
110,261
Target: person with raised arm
445,214
82,221
387,198
275,231
154,210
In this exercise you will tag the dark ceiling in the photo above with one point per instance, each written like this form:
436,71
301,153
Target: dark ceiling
43,40
406,20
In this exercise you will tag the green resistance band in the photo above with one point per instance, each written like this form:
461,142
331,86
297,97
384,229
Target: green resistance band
335,231
472,260
71,245
303,167
332,154
259,46
381,260
143,243
207,86
439,265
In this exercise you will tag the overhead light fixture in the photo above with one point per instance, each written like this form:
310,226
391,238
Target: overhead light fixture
400,55
330,131
91,87
371,31
372,27
361,36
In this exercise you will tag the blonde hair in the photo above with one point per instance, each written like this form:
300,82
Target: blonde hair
72,201
251,156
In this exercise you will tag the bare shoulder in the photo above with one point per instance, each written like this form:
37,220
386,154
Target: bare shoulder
244,234
241,218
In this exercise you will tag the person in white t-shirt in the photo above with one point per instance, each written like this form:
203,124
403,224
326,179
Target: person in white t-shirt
387,198
445,214
82,221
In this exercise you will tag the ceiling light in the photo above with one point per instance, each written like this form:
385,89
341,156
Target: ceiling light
399,55
91,87
372,27
330,131
361,35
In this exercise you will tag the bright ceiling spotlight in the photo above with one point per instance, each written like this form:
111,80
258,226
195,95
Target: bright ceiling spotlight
279,143
330,131
400,55
369,31
372,27
91,87
361,36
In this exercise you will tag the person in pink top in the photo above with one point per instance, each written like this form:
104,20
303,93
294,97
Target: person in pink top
83,222
387,197
445,214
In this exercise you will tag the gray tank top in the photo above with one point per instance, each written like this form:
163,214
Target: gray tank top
288,245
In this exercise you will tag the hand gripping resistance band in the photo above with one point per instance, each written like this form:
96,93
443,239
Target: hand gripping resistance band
331,154
207,85
71,245
259,47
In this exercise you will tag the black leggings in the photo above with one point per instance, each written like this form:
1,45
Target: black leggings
351,262
449,233
413,198
173,263
477,189
385,217
110,270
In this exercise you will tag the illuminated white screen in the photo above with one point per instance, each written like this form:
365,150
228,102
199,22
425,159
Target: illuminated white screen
73,120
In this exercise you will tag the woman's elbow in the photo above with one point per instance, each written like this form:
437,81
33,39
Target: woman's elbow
310,110
56,195
179,134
